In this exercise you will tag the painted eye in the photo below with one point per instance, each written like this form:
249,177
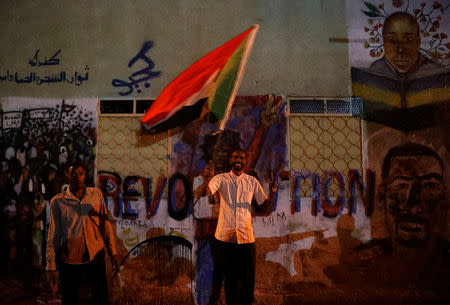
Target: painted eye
402,186
431,185
89,142
63,149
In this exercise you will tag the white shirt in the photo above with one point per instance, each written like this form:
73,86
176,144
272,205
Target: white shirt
75,227
235,218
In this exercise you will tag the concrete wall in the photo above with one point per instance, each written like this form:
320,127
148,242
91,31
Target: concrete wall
362,208
291,55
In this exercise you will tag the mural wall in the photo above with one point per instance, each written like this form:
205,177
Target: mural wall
39,137
361,212
335,225
297,242
400,68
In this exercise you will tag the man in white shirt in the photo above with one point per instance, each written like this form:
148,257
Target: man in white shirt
78,232
234,231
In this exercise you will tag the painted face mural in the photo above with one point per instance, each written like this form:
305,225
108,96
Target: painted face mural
400,72
401,42
401,67
413,191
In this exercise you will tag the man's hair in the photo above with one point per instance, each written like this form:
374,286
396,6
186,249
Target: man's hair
405,15
238,150
407,150
75,165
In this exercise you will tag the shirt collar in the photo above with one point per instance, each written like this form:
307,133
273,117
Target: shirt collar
70,194
235,176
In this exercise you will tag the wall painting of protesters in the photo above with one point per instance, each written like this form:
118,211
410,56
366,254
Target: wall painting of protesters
39,138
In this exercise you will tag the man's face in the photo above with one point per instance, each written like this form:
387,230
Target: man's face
237,160
77,176
401,44
414,188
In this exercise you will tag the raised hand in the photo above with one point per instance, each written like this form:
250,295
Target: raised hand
269,111
272,182
208,171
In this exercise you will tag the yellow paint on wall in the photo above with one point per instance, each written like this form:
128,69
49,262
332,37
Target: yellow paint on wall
377,94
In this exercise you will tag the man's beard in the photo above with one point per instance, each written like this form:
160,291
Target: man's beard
76,185
237,166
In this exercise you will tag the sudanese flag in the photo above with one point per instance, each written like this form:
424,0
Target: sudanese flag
206,89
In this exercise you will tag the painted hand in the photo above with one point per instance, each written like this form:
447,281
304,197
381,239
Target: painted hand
269,111
209,171
272,182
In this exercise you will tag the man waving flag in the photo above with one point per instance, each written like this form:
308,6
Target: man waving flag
205,89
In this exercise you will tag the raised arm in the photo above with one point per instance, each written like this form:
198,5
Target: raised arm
268,118
203,190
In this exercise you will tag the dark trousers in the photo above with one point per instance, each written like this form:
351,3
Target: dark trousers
218,256
94,272
238,261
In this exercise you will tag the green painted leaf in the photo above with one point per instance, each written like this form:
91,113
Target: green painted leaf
372,14
372,7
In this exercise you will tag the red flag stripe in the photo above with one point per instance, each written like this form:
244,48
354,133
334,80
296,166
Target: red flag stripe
191,81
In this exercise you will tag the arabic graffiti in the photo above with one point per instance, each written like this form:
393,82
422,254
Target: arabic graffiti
77,78
47,62
143,75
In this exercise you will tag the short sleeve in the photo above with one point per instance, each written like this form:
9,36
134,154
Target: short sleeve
214,184
258,193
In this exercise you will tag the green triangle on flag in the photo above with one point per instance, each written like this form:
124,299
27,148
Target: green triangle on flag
209,86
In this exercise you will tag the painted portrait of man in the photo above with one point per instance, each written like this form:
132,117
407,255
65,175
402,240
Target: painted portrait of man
402,56
413,195
413,256
407,88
